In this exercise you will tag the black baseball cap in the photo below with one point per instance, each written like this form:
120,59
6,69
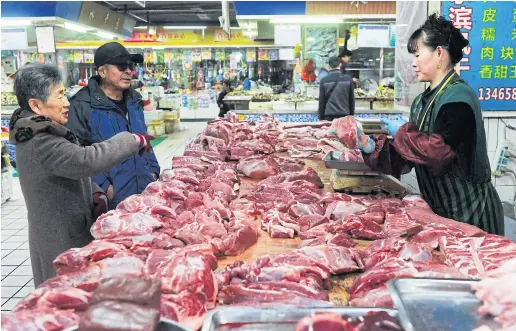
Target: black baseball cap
114,53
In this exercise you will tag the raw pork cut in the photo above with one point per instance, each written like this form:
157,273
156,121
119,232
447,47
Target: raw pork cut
338,210
179,271
88,278
309,175
426,216
497,290
186,308
119,223
258,167
141,203
279,225
45,298
77,258
473,256
140,291
339,259
362,228
52,320
288,293
346,130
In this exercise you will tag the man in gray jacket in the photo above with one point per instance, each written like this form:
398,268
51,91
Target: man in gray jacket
336,95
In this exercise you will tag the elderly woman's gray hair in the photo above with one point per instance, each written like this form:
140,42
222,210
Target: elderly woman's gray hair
35,81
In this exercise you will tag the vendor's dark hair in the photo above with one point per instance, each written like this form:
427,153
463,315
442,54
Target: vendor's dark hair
34,81
334,62
439,32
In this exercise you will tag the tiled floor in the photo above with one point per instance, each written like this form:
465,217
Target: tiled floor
16,273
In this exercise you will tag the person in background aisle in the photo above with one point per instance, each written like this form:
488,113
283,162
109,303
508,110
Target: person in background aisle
55,170
108,106
345,57
336,93
444,140
224,108
247,83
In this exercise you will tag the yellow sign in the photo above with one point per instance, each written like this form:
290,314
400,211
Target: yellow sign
251,55
263,54
241,117
206,54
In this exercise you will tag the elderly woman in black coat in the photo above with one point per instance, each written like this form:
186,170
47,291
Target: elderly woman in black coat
55,170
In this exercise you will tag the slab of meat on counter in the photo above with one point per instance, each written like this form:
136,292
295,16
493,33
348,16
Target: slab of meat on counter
279,225
372,321
351,155
381,250
362,228
263,166
339,259
474,256
309,175
187,308
45,298
42,321
120,223
497,290
88,278
370,290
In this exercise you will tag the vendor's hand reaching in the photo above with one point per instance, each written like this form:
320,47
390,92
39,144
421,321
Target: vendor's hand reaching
392,126
365,143
100,204
144,141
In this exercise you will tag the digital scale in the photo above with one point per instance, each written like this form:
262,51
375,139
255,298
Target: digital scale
357,178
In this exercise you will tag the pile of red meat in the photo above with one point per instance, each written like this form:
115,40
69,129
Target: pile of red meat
188,284
299,278
372,321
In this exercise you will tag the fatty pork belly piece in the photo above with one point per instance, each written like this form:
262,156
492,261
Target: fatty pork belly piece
141,203
397,222
45,298
339,259
179,271
77,258
284,292
186,308
427,216
279,225
118,316
497,291
165,190
119,223
199,200
362,228
309,175
88,278
338,210
259,167
381,250
184,175
142,245
42,321
140,291
291,267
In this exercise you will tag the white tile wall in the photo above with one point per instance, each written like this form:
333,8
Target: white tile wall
495,134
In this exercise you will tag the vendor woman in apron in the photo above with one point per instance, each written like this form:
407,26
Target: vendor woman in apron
444,139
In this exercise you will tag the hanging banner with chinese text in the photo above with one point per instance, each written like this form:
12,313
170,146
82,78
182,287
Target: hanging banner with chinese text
196,55
489,64
251,55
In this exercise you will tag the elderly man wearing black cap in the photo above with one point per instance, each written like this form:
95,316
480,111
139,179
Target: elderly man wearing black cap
107,106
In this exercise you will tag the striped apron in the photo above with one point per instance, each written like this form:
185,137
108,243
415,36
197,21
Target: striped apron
469,199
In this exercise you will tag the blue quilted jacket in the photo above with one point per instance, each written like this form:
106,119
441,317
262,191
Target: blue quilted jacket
94,118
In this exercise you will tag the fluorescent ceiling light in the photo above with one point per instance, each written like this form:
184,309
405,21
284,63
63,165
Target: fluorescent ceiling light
236,28
184,27
75,27
105,35
141,27
306,20
16,22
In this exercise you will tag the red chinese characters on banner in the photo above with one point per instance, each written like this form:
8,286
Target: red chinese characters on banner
462,19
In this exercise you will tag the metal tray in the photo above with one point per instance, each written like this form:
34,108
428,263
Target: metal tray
428,304
164,325
331,160
236,318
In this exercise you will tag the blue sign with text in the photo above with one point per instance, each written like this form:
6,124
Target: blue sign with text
489,64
